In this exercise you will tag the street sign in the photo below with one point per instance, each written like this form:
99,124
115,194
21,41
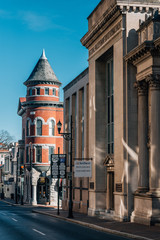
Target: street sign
58,166
82,169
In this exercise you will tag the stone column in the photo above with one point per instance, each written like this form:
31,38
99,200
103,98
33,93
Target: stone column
34,194
154,82
143,161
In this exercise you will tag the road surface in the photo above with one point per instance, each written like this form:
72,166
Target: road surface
19,223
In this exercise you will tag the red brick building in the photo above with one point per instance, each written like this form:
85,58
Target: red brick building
40,111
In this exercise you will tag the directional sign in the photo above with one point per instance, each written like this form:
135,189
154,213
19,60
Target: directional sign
58,166
83,169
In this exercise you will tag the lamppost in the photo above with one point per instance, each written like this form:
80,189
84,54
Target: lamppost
16,190
31,160
68,137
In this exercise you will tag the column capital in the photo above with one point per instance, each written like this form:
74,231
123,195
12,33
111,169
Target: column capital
153,81
142,87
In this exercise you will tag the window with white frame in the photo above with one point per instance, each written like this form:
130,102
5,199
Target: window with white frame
51,128
51,151
28,128
39,127
39,154
46,91
54,91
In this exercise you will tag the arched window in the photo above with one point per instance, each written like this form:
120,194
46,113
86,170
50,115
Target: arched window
28,128
39,127
51,128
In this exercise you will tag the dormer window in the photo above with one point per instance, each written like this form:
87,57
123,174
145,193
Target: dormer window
30,92
38,91
46,91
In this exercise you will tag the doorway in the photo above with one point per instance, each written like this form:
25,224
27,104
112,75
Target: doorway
43,189
110,191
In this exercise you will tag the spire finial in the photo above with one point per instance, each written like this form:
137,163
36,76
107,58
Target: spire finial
43,55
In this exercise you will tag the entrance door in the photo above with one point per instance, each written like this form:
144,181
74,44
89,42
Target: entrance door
110,191
43,190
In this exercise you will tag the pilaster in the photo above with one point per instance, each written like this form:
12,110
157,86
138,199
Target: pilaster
143,161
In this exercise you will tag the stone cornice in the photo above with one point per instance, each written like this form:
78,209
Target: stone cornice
157,43
104,22
139,51
43,103
113,12
37,82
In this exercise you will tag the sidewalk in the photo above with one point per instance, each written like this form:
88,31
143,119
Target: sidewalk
126,229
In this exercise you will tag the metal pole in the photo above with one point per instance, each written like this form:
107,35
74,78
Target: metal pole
21,191
31,155
58,180
16,190
70,214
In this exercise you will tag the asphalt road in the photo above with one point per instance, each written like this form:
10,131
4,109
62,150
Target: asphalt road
19,223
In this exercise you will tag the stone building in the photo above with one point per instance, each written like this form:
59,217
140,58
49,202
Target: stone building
146,58
40,110
122,132
76,105
3,152
10,171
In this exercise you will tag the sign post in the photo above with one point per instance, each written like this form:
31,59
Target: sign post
58,169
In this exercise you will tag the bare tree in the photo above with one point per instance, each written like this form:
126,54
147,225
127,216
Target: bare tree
5,138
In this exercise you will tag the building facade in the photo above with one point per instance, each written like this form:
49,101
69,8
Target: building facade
3,153
40,110
123,125
10,173
76,105
146,58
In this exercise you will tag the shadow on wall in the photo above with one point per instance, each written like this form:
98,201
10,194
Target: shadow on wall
132,40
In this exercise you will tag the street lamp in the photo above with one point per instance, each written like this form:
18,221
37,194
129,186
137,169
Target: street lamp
16,190
31,160
68,137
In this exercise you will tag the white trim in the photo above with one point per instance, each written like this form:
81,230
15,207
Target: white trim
43,96
44,136
51,118
44,146
43,87
39,118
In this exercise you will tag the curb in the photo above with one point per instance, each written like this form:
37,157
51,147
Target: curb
9,203
96,227
13,204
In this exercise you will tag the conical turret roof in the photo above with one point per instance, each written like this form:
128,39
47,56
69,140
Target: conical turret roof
42,73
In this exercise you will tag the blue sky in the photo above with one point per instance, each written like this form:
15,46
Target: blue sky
26,27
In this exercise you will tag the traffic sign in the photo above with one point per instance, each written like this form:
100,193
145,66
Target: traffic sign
58,166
